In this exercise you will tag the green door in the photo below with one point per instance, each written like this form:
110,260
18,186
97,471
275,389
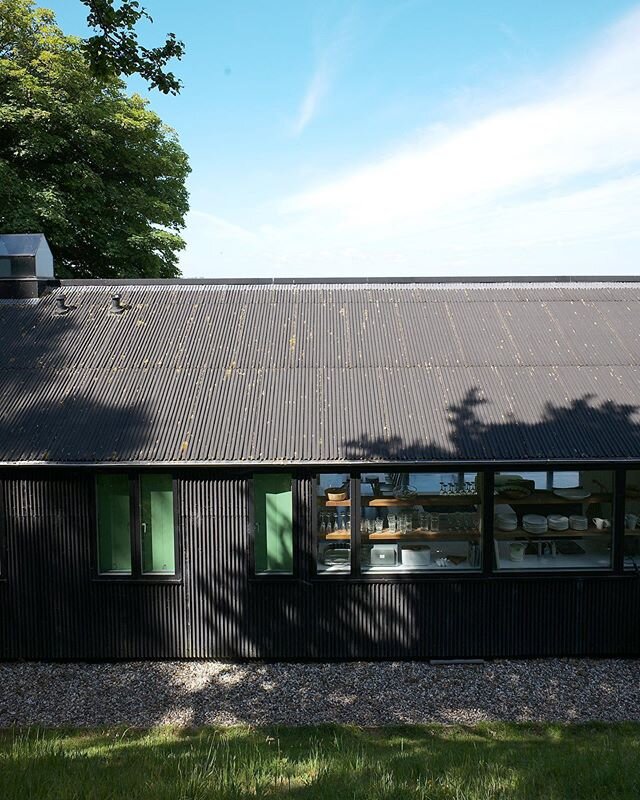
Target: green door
273,511
114,524
158,540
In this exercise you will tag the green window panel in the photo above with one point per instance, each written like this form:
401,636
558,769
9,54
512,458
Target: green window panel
158,540
114,524
273,511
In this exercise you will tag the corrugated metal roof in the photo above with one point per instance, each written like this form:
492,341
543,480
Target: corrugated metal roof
320,373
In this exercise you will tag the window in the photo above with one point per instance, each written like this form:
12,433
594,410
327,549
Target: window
333,523
114,525
420,522
136,528
559,520
273,524
405,522
632,521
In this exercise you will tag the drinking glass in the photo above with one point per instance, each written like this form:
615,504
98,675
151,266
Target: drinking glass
435,521
391,519
424,520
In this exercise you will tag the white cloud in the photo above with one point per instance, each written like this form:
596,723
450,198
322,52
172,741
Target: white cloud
589,124
539,187
315,93
329,57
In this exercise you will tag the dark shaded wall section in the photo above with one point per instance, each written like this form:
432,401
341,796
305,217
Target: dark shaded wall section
51,606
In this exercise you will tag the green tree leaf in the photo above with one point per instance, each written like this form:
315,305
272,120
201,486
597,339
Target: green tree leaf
115,49
93,169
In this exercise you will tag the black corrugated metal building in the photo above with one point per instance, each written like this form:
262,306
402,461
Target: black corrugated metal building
319,469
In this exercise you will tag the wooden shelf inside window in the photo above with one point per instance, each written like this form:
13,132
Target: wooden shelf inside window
422,500
395,536
590,533
542,498
335,536
420,535
406,502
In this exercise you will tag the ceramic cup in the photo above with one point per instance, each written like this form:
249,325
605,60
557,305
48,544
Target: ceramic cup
600,523
516,551
630,521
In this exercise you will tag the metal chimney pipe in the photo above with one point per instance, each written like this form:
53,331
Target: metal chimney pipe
62,309
116,306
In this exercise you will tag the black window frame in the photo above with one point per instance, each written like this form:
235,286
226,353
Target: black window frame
135,517
354,543
487,570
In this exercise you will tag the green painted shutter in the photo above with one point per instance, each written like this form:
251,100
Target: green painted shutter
114,524
158,541
273,511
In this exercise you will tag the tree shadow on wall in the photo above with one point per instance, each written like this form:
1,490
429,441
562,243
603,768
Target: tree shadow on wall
56,409
304,619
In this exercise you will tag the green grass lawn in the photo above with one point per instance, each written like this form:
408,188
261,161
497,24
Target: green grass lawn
329,762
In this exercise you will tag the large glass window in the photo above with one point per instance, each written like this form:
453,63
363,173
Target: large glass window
632,521
553,520
333,523
273,511
420,522
136,532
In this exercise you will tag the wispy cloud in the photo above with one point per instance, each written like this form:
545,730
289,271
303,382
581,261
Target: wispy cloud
585,128
539,187
330,55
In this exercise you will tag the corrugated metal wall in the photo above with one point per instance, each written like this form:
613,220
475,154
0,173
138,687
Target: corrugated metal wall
52,608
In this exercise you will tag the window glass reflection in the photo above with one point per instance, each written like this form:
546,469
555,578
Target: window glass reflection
420,521
632,521
333,524
553,520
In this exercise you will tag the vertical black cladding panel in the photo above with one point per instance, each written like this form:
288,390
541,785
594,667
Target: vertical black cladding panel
525,617
53,608
47,519
56,607
611,617
214,515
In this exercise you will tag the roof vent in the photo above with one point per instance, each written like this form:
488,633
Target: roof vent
116,306
62,309
26,265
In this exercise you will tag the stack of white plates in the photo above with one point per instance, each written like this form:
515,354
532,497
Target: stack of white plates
534,523
578,522
557,522
577,493
506,521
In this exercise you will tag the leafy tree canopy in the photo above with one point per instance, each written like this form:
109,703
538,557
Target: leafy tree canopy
115,49
95,170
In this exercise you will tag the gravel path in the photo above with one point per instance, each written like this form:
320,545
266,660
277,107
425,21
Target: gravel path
363,693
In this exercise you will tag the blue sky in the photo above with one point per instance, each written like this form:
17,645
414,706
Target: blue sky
385,138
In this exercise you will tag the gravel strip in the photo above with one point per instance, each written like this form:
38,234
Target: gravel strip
361,693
